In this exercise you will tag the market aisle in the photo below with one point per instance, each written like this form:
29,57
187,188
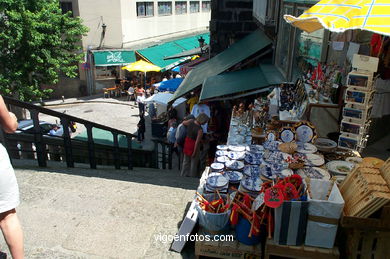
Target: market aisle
83,213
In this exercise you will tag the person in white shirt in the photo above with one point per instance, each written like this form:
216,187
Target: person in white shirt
201,108
141,103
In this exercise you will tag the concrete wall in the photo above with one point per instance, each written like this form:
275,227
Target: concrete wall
231,20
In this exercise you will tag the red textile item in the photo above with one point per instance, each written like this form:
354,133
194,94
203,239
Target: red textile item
255,223
234,215
189,146
273,197
290,192
247,201
376,44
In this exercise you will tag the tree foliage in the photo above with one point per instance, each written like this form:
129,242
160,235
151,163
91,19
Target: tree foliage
37,42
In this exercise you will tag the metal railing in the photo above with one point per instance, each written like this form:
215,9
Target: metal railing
65,147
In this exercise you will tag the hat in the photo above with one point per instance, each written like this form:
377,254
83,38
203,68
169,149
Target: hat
189,117
202,118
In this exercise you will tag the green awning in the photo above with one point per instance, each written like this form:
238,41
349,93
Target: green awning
114,57
239,82
156,54
237,52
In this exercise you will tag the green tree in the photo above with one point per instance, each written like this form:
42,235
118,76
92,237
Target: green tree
37,42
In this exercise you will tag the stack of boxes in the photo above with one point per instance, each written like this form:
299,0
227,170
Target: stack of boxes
358,103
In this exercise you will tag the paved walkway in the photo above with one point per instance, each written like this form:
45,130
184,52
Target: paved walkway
83,213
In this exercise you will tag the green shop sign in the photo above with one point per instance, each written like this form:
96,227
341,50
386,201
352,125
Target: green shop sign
113,58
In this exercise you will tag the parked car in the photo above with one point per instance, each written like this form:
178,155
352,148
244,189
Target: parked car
27,126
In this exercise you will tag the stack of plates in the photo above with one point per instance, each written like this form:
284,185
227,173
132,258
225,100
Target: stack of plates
314,160
255,148
221,153
239,148
253,158
325,144
251,184
222,159
340,168
217,167
306,148
234,176
234,165
252,171
222,147
236,155
314,173
216,181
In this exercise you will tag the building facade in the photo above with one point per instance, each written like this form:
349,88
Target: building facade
129,25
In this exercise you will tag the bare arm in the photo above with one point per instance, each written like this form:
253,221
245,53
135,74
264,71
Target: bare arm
198,139
8,120
187,122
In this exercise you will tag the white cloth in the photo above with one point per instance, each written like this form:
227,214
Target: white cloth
140,99
381,102
201,108
9,190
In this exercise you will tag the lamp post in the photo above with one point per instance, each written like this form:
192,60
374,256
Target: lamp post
201,44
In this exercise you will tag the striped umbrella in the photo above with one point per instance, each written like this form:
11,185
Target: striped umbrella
342,15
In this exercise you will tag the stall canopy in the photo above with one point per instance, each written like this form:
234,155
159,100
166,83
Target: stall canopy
156,54
237,52
339,16
254,80
163,98
169,85
113,57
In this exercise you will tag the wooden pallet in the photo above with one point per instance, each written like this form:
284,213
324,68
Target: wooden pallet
227,249
299,252
385,171
367,237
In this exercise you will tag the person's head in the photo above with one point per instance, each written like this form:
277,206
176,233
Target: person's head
202,118
174,125
189,117
55,127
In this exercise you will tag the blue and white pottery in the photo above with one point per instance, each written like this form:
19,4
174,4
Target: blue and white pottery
250,170
252,184
217,166
237,148
306,148
236,155
234,176
221,153
216,180
222,147
234,165
222,159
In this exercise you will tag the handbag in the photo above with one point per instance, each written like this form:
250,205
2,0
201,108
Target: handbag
189,146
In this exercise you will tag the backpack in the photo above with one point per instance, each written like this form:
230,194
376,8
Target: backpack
181,135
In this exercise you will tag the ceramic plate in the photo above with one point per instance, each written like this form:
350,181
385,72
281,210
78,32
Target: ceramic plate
222,147
286,172
252,184
353,159
272,145
236,155
340,167
235,165
306,148
255,148
222,159
305,132
250,170
258,202
221,153
216,180
217,166
234,176
314,172
325,144
253,158
271,135
287,134
314,160
237,148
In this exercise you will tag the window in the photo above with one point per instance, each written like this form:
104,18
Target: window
145,9
107,72
194,6
180,7
282,56
164,8
66,7
206,6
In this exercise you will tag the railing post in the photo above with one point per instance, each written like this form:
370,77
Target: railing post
170,156
129,152
67,143
117,157
91,147
38,139
164,154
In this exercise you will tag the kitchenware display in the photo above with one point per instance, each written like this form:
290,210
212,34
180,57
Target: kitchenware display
216,180
314,160
236,148
266,171
222,159
251,184
272,145
251,170
305,132
222,147
217,166
235,155
271,135
287,134
353,159
234,165
306,148
340,167
314,172
234,176
325,144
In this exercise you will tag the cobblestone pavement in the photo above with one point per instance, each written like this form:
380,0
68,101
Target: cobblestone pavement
83,213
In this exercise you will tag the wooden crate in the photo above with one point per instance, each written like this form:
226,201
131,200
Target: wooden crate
227,249
367,237
300,252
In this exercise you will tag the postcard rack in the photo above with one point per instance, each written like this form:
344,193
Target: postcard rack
358,103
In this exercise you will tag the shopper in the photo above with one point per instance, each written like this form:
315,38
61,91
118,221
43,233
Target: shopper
191,145
141,128
180,136
9,190
141,104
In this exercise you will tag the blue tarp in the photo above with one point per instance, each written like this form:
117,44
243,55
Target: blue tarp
170,85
